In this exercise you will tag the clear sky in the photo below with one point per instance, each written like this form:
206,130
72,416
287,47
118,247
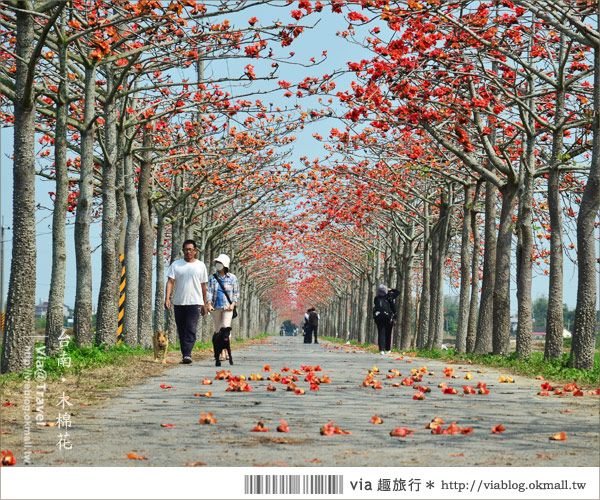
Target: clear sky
311,43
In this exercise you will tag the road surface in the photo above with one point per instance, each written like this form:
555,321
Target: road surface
131,423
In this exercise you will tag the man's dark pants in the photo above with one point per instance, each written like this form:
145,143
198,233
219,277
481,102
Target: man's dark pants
310,333
186,319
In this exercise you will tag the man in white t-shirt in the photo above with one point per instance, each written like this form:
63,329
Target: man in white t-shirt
186,291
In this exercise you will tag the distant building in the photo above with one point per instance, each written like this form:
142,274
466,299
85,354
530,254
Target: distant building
41,310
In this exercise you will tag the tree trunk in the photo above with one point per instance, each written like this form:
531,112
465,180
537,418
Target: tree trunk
554,315
365,308
176,246
582,348
121,203
473,312
17,353
132,231
524,250
424,306
501,312
82,325
146,245
159,292
438,251
108,298
55,318
483,340
347,302
408,305
434,287
245,332
465,263
399,285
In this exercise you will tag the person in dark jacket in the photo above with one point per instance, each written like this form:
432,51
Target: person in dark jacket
306,329
384,314
311,324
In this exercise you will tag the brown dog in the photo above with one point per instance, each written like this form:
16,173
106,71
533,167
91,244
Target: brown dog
161,346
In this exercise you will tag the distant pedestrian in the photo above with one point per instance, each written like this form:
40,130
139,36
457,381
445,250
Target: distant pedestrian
306,329
223,296
384,314
311,325
186,292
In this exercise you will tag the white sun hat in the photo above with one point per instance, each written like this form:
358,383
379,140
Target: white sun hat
223,259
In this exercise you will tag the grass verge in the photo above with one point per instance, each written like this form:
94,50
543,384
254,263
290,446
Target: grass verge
82,359
532,366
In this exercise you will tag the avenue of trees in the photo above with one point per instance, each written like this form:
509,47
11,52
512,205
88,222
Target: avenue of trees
467,138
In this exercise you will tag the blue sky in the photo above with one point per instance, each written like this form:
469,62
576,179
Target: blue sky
311,43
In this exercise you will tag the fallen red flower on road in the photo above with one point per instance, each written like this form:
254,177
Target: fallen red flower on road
7,458
207,418
283,426
329,429
559,436
401,432
259,427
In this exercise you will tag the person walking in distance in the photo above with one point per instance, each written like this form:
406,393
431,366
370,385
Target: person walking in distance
223,296
313,325
384,314
306,329
186,291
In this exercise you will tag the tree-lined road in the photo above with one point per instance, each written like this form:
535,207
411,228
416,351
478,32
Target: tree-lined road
131,422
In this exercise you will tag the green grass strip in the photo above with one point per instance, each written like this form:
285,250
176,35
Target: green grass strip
83,358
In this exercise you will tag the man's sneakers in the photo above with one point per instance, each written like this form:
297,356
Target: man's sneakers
186,360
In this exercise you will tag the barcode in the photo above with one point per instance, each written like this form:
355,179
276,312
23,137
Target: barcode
294,484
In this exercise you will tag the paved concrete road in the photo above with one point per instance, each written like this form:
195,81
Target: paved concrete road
104,435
